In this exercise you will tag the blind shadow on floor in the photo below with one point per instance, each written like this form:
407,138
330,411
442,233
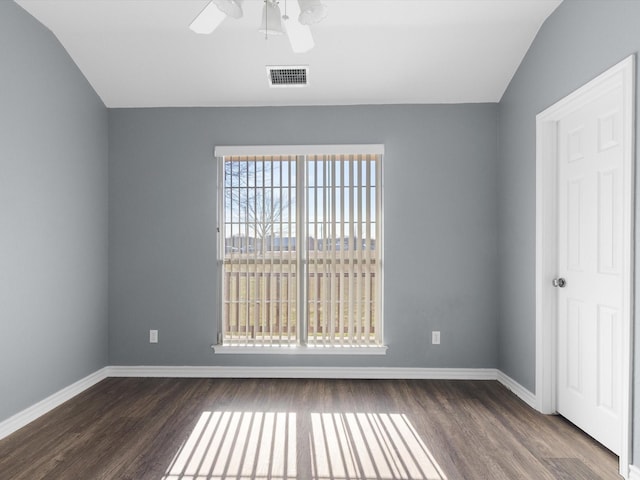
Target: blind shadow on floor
227,445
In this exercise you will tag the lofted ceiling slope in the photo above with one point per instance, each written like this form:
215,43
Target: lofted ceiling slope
141,53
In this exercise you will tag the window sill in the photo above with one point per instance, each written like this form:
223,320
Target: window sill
298,350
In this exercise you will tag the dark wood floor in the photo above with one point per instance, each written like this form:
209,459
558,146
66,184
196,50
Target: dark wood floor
210,429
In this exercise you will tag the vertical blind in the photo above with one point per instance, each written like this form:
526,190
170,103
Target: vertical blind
301,256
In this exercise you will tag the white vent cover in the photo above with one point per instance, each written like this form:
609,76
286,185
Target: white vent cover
288,76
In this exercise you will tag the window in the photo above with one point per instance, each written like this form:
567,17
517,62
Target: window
300,246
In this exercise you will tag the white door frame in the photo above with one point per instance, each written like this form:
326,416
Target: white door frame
621,75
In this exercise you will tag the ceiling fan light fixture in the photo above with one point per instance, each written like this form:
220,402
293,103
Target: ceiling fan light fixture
208,19
311,11
271,19
232,8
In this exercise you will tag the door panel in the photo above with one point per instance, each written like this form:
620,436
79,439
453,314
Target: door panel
608,186
608,323
573,344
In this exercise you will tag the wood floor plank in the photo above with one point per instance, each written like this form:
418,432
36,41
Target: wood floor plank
570,469
282,429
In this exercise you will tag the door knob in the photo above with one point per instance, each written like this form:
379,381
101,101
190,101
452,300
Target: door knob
559,282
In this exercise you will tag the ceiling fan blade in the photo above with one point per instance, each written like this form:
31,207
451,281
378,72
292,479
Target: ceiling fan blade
208,19
299,35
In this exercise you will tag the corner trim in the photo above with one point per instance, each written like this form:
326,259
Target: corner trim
525,395
28,415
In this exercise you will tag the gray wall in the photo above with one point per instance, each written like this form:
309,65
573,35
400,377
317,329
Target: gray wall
578,42
440,227
53,216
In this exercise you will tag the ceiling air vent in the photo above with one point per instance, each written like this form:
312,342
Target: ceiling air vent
288,76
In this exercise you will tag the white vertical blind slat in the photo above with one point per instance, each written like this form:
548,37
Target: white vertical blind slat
348,247
366,245
334,269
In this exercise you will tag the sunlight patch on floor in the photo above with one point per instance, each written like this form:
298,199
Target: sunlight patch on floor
340,446
369,445
238,445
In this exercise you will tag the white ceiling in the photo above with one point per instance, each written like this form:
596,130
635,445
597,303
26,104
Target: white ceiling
141,53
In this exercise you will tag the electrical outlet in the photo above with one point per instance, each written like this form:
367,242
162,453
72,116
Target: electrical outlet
435,337
153,336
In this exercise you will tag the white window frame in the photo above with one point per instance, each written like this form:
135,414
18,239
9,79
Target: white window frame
272,150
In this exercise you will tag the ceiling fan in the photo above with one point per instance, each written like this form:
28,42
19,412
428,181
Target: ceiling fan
303,13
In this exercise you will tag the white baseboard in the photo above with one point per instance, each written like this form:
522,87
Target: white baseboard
28,415
634,472
525,395
304,372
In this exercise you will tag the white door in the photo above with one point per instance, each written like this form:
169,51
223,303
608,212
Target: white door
590,256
